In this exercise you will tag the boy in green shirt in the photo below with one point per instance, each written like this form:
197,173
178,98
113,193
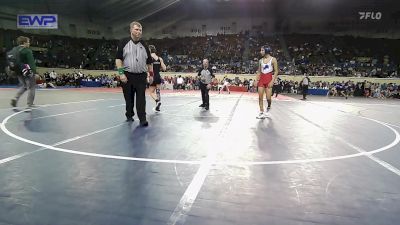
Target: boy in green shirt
26,77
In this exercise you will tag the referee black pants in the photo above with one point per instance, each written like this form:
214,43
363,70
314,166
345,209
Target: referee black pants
276,89
305,91
204,94
136,86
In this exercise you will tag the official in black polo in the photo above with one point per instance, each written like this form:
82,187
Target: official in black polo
133,62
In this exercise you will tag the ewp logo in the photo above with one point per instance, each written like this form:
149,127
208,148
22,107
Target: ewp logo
37,21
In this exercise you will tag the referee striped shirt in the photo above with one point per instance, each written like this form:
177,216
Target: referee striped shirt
135,56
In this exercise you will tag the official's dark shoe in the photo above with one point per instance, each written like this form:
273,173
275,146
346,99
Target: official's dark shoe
158,106
202,105
207,107
129,119
13,102
144,123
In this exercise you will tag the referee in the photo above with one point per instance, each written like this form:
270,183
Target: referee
206,75
133,61
304,84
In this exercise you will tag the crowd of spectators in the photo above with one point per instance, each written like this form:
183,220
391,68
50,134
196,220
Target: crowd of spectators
340,89
320,55
52,79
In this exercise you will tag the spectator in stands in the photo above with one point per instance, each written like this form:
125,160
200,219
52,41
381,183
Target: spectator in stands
224,84
180,82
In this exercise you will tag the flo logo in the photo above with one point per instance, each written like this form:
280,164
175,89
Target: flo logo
370,15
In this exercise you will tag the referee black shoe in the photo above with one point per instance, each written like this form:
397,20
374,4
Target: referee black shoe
158,106
13,102
144,123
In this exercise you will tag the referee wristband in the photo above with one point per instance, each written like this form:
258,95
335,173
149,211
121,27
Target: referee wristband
121,71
